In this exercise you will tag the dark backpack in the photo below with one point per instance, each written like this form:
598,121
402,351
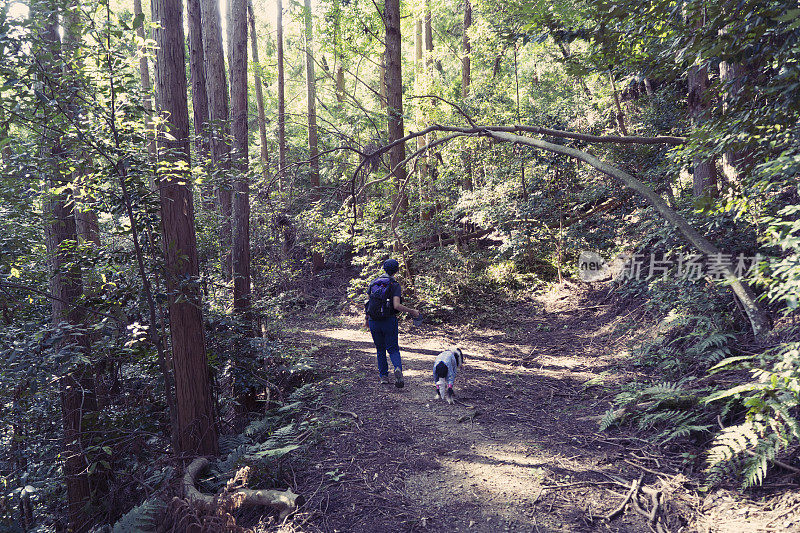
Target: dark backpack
380,306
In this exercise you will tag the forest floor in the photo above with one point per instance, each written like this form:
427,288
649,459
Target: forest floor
519,451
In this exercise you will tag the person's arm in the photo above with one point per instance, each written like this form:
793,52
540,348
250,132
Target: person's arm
402,308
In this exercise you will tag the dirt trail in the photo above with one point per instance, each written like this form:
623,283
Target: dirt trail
415,464
514,454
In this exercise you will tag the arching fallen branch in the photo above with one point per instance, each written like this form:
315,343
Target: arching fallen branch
757,317
285,502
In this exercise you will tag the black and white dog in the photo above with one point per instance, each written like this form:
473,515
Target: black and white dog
445,368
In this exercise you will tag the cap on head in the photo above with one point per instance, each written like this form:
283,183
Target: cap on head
391,266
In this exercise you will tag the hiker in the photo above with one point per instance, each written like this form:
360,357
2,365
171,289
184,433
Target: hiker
383,304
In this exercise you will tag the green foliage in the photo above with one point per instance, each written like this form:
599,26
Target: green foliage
770,426
663,412
145,517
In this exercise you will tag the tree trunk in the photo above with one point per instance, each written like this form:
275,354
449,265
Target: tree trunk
429,159
465,59
197,74
262,119
620,115
429,39
217,91
422,163
241,199
394,93
281,103
704,180
197,433
65,282
466,81
311,90
147,88
734,162
523,185
382,82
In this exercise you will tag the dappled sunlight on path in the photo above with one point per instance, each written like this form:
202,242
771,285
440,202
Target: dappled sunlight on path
484,464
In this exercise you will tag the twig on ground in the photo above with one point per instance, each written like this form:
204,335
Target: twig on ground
468,406
621,507
338,411
577,484
468,416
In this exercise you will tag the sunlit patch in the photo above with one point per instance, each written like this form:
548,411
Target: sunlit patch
18,11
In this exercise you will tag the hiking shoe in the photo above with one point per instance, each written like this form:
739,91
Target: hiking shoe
384,380
398,378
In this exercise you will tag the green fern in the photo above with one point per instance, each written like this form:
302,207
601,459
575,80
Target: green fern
668,407
304,393
610,418
770,427
142,518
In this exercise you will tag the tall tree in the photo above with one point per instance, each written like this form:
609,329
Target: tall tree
241,187
197,433
144,74
262,119
219,128
281,102
422,163
311,92
466,49
338,54
733,161
197,75
65,276
466,81
704,176
394,95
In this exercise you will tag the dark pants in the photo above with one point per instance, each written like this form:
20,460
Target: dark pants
384,335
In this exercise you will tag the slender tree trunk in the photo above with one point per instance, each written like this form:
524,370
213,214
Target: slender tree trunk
197,74
394,93
262,120
704,178
523,185
466,48
466,81
281,103
311,91
241,199
430,158
147,88
620,115
422,163
219,128
197,433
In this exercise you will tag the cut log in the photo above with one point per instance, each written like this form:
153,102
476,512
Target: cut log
285,502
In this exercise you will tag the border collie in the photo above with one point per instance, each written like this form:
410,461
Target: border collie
445,369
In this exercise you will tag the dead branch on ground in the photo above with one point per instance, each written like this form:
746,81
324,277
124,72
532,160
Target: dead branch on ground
285,502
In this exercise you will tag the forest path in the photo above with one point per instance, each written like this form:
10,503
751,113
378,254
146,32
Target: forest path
416,464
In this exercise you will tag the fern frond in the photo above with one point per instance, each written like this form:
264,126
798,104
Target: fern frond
610,418
144,517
